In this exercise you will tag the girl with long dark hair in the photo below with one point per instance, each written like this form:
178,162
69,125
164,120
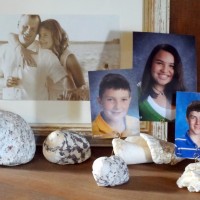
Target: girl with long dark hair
162,77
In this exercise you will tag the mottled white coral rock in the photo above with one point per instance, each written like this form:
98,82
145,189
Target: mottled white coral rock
110,171
66,147
190,178
162,152
17,142
144,149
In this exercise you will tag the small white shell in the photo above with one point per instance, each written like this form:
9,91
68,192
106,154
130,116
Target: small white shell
66,147
190,178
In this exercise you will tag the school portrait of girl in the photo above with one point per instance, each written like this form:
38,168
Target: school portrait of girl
163,64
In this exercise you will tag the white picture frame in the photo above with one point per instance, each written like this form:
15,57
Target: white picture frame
46,116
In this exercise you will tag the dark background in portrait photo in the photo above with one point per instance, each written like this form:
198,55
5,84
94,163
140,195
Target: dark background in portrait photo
95,78
183,99
143,44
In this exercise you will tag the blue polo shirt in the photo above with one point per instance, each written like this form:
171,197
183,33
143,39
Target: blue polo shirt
186,148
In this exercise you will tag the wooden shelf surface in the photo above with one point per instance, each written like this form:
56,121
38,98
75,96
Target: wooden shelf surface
41,180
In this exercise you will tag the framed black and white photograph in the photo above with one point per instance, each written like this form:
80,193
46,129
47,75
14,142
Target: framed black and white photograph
39,78
46,116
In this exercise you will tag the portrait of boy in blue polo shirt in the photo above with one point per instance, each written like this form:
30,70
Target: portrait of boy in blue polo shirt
189,145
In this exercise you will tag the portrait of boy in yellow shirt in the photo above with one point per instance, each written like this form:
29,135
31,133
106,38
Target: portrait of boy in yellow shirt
114,98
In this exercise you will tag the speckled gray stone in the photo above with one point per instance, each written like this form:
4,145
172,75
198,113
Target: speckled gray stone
110,171
17,142
66,147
